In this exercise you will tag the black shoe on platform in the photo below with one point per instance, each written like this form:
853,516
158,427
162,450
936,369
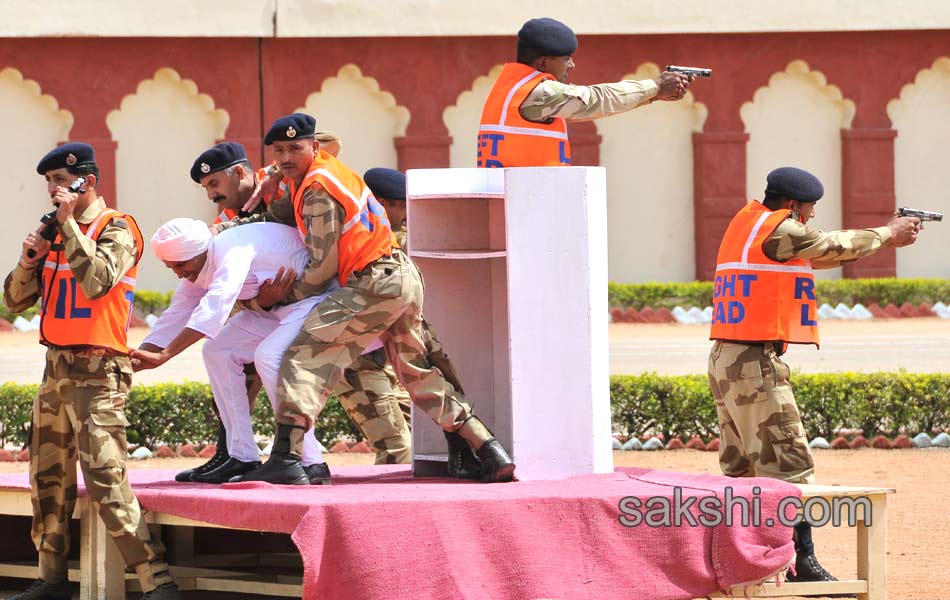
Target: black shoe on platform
463,464
225,472
807,568
497,466
40,590
220,457
281,468
168,591
318,473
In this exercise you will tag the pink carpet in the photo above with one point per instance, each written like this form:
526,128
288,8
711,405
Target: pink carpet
379,533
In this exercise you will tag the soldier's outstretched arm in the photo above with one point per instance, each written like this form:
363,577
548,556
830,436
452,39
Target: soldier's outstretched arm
826,250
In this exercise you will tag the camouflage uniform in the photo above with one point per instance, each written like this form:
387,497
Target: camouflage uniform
760,426
80,407
383,300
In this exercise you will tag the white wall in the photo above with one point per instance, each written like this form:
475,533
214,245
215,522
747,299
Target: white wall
160,130
32,125
462,119
796,121
365,118
648,153
921,117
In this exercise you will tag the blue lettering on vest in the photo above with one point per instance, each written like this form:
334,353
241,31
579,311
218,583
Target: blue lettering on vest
67,292
747,284
719,315
728,286
130,296
807,321
74,311
736,312
562,153
484,141
804,286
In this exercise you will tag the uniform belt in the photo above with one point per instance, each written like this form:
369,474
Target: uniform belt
97,352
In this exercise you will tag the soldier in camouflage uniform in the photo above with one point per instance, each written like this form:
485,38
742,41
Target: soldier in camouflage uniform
350,240
79,410
761,429
367,389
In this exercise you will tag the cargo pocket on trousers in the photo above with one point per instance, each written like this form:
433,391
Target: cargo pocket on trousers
109,418
790,447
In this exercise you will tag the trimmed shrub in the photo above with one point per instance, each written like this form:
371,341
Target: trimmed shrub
849,291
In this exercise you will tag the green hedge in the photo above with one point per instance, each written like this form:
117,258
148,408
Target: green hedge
170,413
848,291
674,406
870,402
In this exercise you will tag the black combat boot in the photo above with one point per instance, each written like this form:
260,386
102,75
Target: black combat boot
41,590
463,464
283,466
223,473
807,567
497,466
220,457
318,473
167,591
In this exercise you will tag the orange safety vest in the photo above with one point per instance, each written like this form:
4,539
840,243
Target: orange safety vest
69,318
757,299
506,139
227,214
366,234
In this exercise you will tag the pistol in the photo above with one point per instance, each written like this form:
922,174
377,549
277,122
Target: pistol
49,219
690,71
923,215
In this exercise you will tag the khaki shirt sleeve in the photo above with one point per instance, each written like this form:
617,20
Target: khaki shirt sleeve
585,102
825,250
324,217
98,265
21,289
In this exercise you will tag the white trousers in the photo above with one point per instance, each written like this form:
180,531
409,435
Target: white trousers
261,338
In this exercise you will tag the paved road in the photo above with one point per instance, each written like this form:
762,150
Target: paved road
917,345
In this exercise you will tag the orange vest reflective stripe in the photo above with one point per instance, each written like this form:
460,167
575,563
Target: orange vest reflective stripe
69,318
506,139
757,299
227,214
366,234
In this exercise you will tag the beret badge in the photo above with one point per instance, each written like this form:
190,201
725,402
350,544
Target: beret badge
291,132
205,168
70,159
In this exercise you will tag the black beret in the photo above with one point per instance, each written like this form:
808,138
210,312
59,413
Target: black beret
547,36
217,158
386,183
73,154
793,183
291,128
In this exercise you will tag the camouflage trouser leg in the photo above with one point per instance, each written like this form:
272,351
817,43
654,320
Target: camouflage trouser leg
80,406
384,300
761,429
369,395
435,354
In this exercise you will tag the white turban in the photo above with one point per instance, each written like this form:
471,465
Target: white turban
181,239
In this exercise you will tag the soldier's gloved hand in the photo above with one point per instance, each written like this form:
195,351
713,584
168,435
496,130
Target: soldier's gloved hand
274,290
904,230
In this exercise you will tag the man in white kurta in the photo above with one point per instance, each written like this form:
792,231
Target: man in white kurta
217,272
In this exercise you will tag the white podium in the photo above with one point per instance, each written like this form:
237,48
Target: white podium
515,266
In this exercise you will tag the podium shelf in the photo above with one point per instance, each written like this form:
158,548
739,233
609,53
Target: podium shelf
457,254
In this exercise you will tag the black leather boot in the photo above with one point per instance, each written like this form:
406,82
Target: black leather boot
497,466
232,468
807,567
168,591
41,590
220,457
318,473
283,467
463,464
